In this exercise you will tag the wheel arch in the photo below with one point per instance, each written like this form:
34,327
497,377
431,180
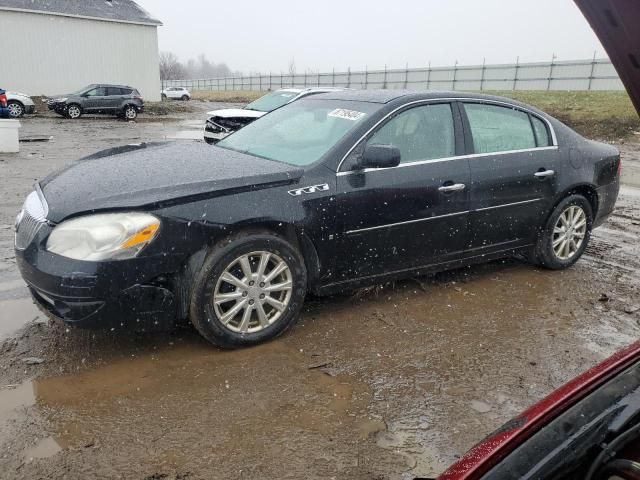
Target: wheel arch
183,281
13,100
586,190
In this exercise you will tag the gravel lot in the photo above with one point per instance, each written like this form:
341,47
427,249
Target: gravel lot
391,382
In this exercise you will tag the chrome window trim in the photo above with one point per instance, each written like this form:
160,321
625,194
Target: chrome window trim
554,138
446,159
417,220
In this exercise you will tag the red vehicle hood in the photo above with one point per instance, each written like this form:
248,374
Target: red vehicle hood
615,22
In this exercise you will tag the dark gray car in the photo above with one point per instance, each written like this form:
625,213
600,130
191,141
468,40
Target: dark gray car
120,100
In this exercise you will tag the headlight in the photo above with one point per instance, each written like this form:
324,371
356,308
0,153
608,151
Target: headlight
60,100
110,236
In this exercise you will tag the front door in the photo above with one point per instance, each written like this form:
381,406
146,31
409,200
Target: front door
513,176
411,215
94,99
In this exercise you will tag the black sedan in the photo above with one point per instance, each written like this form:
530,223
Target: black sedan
328,193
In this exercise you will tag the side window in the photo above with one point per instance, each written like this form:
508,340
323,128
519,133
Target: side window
542,133
114,91
421,133
499,129
97,92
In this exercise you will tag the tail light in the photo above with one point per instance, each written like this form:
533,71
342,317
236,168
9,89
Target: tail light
619,166
3,100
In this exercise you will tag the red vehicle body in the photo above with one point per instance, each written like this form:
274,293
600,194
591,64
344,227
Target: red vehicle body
3,99
487,454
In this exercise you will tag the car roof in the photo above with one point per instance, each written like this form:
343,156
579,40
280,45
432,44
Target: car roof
386,96
109,85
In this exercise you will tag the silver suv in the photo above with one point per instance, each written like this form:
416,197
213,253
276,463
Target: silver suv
120,100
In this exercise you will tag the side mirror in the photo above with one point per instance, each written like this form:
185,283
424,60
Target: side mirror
380,156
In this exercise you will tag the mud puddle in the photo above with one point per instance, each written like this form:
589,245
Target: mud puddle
15,314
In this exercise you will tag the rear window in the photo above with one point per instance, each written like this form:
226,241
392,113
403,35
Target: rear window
499,129
542,133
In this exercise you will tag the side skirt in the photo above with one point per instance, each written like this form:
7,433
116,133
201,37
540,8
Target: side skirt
340,287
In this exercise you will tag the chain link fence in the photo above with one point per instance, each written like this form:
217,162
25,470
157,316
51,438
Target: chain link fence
595,74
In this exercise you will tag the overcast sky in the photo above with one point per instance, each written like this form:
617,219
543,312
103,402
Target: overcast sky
264,35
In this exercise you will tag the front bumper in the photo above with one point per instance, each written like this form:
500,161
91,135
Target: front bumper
607,196
215,132
127,293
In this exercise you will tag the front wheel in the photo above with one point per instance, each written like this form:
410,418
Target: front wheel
249,290
185,98
566,234
74,111
16,109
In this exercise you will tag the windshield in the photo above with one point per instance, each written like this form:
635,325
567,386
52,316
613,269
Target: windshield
300,133
271,101
83,90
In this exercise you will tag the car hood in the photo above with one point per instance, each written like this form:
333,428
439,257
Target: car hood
236,112
157,174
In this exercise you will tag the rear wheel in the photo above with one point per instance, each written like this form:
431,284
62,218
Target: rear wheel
566,234
74,111
249,290
16,109
163,96
130,112
210,141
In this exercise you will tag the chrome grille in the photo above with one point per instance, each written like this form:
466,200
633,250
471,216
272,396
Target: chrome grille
30,220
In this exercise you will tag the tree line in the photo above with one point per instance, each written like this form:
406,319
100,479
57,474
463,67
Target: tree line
171,68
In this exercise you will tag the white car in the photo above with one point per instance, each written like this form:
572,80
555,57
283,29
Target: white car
221,123
19,104
176,93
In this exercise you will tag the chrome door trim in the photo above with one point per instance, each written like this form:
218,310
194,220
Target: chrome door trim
417,220
507,205
426,219
554,138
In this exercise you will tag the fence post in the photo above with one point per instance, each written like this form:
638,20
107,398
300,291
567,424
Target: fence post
515,78
349,77
553,58
318,77
593,69
484,63
333,77
455,72
429,75
366,77
406,75
384,80
305,79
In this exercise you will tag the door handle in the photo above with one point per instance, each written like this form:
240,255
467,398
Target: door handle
456,187
544,174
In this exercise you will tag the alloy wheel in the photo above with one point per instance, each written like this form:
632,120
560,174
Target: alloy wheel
130,113
73,111
15,110
253,292
569,232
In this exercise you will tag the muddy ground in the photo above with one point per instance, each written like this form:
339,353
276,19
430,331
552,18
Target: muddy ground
392,382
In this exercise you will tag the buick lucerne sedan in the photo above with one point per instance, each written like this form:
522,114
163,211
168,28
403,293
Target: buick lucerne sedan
328,193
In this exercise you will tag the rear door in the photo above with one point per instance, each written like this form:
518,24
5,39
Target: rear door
412,215
115,95
514,169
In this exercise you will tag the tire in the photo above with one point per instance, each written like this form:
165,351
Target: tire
130,113
210,141
163,97
264,321
74,111
16,109
564,254
185,98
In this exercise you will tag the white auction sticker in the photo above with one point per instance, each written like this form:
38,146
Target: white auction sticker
346,114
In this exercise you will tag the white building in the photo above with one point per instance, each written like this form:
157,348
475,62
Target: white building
52,47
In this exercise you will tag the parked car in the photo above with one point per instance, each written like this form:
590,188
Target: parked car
19,104
176,93
589,429
325,194
4,111
224,122
119,100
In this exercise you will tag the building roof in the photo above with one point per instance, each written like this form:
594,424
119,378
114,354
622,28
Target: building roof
124,11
